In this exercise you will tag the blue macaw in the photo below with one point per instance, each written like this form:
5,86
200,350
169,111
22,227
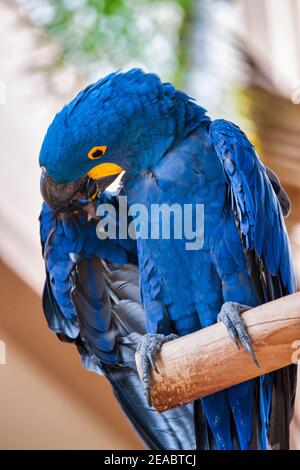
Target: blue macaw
91,298
172,152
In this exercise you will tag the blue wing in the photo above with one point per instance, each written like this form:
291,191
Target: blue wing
91,298
255,197
256,208
66,240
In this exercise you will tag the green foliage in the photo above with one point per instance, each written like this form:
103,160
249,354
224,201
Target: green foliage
95,34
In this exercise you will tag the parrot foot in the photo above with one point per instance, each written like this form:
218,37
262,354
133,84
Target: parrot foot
148,348
230,316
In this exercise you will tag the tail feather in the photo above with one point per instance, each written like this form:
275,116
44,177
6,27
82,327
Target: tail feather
111,320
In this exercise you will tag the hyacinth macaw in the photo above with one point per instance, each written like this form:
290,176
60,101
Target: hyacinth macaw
91,298
172,152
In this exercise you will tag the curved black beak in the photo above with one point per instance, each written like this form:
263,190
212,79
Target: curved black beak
60,196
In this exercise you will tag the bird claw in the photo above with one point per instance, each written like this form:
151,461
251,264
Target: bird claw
230,316
148,348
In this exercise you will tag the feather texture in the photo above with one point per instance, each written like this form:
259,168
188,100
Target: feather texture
96,305
259,219
173,154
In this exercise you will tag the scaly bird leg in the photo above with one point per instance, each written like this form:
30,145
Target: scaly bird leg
148,348
230,316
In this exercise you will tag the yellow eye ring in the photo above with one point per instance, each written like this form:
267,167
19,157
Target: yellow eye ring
97,152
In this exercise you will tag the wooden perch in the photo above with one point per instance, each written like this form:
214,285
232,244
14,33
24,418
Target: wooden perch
208,361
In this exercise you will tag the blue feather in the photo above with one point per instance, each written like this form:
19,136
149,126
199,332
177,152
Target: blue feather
173,153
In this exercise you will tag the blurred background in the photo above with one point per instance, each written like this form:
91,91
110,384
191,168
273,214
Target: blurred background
240,59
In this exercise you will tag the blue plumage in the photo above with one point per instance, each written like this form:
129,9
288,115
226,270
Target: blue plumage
66,240
173,153
96,305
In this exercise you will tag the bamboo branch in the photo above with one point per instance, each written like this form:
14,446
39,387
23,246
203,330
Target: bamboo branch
208,361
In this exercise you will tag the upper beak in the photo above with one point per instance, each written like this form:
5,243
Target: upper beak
57,195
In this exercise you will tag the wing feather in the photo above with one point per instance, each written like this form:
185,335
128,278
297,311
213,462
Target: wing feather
257,200
95,304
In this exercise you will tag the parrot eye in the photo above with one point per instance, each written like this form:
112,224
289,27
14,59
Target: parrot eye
97,152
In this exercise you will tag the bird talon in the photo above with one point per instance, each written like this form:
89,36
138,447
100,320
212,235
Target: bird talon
230,316
247,345
152,360
233,334
149,348
155,367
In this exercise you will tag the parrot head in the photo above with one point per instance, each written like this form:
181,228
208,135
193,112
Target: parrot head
125,121
122,122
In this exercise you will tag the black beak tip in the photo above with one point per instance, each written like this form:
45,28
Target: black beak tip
57,195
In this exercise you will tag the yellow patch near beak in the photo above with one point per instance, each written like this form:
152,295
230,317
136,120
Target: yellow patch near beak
104,169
